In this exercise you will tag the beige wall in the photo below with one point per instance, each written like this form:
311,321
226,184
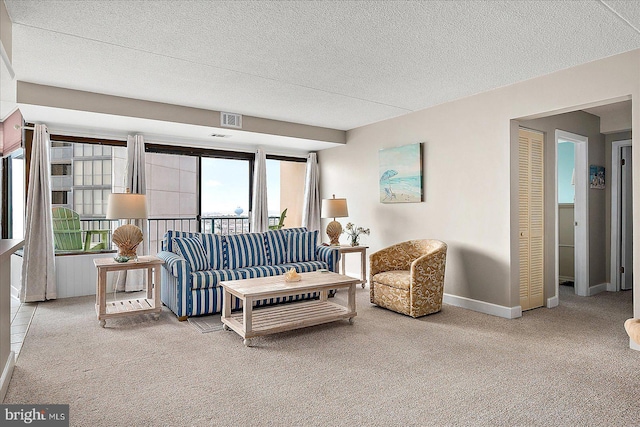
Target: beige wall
469,179
588,125
292,176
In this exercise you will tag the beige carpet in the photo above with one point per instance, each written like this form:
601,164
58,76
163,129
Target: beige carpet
567,366
206,324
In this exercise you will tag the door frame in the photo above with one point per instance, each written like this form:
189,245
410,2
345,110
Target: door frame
581,212
616,189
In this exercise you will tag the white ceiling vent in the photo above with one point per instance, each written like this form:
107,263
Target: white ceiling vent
231,120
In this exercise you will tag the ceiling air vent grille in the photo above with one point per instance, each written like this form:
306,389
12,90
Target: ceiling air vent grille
231,120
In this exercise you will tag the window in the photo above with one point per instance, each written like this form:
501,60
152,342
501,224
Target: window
17,201
81,177
90,202
224,192
285,190
61,169
59,197
92,172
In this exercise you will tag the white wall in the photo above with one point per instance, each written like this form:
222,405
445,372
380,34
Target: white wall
470,191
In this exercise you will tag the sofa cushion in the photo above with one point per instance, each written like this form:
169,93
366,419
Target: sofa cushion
306,267
276,245
262,271
399,279
191,249
301,247
245,250
212,278
214,246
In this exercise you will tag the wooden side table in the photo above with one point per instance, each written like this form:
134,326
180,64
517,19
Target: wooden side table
150,304
348,249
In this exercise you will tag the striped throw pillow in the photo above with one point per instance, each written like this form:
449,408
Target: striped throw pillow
191,249
167,242
245,250
276,245
301,247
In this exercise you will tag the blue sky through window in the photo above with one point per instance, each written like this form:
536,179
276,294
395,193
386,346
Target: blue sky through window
224,186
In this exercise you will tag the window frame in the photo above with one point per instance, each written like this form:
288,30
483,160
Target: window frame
152,148
217,154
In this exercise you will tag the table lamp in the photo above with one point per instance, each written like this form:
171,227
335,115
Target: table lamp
127,206
334,208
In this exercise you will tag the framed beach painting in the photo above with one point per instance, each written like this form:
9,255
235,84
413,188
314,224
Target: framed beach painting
400,174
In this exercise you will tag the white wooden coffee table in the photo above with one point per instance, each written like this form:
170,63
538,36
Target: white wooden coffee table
284,317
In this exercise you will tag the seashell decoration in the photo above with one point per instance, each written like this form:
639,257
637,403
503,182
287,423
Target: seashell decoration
127,238
292,276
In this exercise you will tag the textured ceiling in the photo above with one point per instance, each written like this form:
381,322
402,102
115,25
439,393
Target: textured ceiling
334,64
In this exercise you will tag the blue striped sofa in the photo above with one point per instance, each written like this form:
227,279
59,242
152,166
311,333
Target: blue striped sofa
195,264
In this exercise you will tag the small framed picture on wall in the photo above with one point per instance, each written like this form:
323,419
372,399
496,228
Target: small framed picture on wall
596,177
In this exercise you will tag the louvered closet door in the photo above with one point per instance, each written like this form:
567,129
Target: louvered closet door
531,218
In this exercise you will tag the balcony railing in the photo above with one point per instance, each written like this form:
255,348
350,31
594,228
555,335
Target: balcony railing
157,227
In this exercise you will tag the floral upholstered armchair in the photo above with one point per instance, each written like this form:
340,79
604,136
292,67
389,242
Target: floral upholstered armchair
409,277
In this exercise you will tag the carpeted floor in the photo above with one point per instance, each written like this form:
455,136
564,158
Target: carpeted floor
206,324
567,366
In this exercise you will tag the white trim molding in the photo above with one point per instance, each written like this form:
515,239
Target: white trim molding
614,286
483,307
552,302
602,287
6,375
633,345
581,218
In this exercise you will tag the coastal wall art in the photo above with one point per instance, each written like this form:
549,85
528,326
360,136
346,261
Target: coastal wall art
596,177
400,174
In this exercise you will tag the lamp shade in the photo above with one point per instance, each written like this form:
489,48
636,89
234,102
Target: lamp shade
334,208
127,206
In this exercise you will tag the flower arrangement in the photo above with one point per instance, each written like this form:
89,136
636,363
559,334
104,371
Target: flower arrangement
354,233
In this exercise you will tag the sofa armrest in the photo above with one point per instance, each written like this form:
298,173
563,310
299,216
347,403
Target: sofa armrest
174,263
330,255
429,268
176,284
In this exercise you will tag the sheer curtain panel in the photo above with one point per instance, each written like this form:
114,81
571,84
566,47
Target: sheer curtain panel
311,208
38,262
134,280
260,213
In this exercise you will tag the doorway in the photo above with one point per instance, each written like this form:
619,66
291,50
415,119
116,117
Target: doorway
621,216
580,212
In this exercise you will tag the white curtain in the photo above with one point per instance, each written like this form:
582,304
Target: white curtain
134,280
38,263
259,212
311,208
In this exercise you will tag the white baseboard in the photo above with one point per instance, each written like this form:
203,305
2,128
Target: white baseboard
593,290
566,279
6,375
483,307
633,345
553,301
